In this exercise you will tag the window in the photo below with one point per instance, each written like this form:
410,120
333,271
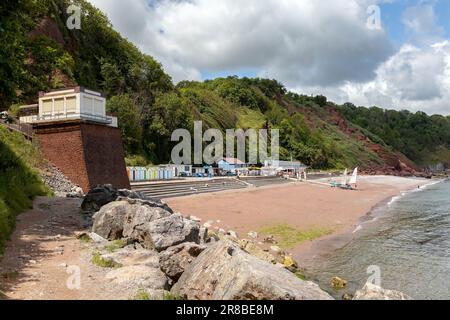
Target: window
71,104
98,107
87,105
59,105
47,106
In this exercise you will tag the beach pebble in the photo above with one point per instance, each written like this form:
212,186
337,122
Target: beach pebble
270,239
253,234
194,218
232,234
338,283
275,249
208,224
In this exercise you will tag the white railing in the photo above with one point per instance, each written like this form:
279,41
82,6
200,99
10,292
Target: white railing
68,116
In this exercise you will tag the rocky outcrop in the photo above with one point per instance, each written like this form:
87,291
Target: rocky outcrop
98,197
109,221
163,248
225,272
102,195
139,276
130,257
136,220
373,292
167,232
175,260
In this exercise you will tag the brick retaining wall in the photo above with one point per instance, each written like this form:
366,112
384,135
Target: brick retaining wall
88,154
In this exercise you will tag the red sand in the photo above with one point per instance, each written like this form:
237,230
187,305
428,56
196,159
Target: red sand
304,206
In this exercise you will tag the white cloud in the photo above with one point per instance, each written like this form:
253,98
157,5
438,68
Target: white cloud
319,47
414,78
299,42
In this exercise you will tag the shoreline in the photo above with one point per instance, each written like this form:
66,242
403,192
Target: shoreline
335,241
300,205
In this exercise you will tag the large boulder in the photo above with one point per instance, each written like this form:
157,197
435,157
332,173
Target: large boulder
373,292
109,221
102,195
98,197
132,257
139,277
253,249
135,221
176,259
226,272
166,232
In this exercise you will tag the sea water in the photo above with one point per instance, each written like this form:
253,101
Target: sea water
405,247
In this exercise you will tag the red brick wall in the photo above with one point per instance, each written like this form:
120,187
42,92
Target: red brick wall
63,147
87,154
104,156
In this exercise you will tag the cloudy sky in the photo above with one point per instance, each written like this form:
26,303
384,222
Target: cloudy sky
390,53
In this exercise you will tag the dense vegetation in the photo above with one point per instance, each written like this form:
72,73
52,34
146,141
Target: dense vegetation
420,137
19,183
40,53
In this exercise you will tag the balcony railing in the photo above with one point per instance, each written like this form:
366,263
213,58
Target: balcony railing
73,116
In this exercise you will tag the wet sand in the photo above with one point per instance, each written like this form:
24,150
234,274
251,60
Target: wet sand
301,205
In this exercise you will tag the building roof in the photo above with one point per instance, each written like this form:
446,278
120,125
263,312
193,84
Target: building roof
70,90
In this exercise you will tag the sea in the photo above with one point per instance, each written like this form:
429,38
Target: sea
404,246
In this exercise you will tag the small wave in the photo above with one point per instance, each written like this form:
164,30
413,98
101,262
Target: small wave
393,200
404,193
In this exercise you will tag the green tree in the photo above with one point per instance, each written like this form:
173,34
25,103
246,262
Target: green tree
128,114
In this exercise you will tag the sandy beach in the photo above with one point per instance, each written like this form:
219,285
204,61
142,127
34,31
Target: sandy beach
303,206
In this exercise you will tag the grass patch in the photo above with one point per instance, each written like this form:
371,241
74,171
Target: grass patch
143,295
116,245
104,263
19,180
85,238
288,237
300,275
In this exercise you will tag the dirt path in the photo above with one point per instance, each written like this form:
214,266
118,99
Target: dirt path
44,254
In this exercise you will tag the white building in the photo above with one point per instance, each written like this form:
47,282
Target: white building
275,167
75,103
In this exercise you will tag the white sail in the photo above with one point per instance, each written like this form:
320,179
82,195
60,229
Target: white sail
345,177
354,177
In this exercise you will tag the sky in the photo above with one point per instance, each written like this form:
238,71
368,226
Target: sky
393,54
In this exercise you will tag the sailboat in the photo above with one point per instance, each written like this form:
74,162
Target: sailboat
345,178
347,183
352,183
342,182
354,178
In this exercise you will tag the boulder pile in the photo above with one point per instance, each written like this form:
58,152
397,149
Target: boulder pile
166,253
59,183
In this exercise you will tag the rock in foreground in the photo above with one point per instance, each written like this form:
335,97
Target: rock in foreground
139,276
176,259
108,222
225,272
167,232
373,292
